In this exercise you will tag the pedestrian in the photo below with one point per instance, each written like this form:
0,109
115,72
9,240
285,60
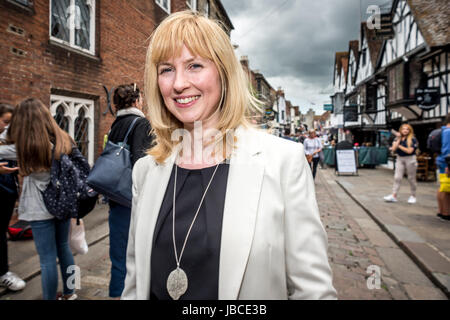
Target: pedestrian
229,213
405,146
34,133
8,197
313,147
443,198
128,103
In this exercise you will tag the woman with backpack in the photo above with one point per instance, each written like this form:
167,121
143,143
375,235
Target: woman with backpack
35,134
8,197
127,100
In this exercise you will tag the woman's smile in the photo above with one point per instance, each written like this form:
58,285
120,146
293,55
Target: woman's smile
186,101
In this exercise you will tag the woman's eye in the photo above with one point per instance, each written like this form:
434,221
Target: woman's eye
195,66
164,70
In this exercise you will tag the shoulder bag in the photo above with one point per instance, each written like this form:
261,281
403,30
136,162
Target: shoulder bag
111,174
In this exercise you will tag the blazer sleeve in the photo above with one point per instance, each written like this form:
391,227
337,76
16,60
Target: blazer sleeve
129,291
308,271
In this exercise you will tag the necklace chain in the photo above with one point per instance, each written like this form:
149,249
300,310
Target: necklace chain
178,260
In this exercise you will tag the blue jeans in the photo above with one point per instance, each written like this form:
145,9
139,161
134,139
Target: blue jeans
119,225
51,238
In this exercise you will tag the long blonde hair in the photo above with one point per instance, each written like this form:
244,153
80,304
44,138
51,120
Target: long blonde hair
205,38
410,135
33,130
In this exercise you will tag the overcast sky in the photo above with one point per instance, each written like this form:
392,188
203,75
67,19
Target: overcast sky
293,42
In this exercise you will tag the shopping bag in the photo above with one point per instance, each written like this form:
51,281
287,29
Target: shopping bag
77,237
445,182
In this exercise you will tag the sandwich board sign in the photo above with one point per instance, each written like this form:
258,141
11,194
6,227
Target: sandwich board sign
346,161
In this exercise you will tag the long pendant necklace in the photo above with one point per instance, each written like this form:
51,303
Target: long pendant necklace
177,282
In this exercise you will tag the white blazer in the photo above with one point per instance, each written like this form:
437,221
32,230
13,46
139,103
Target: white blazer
273,244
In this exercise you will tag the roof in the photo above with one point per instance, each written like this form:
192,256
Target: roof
354,46
338,63
344,63
374,44
433,20
227,18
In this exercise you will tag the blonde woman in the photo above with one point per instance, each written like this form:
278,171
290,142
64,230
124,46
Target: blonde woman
405,146
229,213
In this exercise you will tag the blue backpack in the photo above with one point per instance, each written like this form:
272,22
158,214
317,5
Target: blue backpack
67,194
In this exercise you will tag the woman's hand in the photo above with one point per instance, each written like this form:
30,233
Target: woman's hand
6,170
395,144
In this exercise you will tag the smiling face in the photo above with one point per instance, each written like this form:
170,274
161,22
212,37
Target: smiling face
190,87
404,131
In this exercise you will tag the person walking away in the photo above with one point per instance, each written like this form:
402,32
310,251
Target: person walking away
128,103
405,146
313,146
8,197
35,135
443,198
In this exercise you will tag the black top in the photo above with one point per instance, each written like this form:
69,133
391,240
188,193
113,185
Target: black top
139,138
201,255
404,143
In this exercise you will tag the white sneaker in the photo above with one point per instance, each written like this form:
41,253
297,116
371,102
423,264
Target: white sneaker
412,200
390,198
12,281
73,296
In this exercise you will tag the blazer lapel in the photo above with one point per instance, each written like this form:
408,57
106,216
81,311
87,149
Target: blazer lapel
241,203
154,190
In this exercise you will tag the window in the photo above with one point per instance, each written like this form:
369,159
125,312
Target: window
207,8
25,5
192,4
165,4
76,116
72,22
395,78
364,54
22,2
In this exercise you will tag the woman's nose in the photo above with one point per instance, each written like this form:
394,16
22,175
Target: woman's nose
181,81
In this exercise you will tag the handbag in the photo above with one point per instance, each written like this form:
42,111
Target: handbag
111,174
309,157
444,179
77,237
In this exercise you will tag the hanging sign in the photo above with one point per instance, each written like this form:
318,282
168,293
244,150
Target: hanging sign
427,98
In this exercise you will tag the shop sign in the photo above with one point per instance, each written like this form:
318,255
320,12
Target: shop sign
427,98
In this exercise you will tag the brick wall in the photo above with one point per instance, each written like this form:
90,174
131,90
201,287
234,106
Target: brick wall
122,31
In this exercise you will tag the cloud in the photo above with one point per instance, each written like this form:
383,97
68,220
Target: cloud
293,42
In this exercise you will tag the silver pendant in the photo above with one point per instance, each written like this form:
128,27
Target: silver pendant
177,283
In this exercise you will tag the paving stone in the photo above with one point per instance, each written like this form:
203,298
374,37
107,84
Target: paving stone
402,233
403,269
428,256
367,223
417,292
444,279
380,239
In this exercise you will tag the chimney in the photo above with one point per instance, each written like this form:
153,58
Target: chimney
244,61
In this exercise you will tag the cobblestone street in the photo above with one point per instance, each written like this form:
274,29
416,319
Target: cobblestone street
357,242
